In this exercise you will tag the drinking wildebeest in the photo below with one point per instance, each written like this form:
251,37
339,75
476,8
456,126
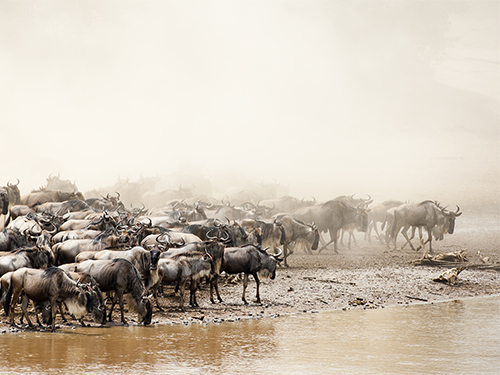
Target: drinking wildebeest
52,284
120,276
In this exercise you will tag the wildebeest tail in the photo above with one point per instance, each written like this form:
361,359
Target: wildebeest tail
283,235
6,303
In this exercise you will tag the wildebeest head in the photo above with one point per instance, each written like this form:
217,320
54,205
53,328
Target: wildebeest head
148,309
449,219
362,219
270,264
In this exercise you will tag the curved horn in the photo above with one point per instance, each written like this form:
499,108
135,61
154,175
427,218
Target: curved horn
161,241
35,234
279,253
209,236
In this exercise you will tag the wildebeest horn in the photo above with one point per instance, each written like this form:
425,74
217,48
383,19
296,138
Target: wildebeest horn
209,236
278,254
37,233
161,240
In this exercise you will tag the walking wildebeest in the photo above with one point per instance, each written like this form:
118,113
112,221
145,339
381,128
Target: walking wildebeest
427,214
250,260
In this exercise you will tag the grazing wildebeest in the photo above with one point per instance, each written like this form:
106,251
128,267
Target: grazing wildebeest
250,260
426,214
31,257
182,267
297,233
120,276
52,284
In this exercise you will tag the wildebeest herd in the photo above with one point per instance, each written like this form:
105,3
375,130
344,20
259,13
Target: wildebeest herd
71,254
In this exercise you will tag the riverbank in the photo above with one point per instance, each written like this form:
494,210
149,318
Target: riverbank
368,276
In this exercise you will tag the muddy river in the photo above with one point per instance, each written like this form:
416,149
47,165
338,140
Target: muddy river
456,337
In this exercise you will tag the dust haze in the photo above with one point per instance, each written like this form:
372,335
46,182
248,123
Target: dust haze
396,99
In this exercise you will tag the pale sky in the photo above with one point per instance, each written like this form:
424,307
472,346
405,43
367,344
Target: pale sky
397,99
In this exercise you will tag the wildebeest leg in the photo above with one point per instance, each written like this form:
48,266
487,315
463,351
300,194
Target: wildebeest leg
113,303
120,303
53,309
155,289
411,237
192,297
404,232
257,281
333,238
214,283
182,285
285,255
245,283
24,307
429,232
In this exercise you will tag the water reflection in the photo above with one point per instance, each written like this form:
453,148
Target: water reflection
460,337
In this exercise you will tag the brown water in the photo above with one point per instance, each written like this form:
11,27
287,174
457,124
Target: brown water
458,337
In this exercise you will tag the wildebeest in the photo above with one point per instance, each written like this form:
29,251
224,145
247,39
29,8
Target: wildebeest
180,268
31,257
44,195
146,261
52,284
426,214
120,276
66,252
9,196
250,260
377,214
214,248
287,204
272,233
332,216
297,233
77,234
12,239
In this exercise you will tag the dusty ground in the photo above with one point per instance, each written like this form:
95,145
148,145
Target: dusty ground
366,276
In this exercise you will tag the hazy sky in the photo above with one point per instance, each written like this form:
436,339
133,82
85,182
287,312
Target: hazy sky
390,98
